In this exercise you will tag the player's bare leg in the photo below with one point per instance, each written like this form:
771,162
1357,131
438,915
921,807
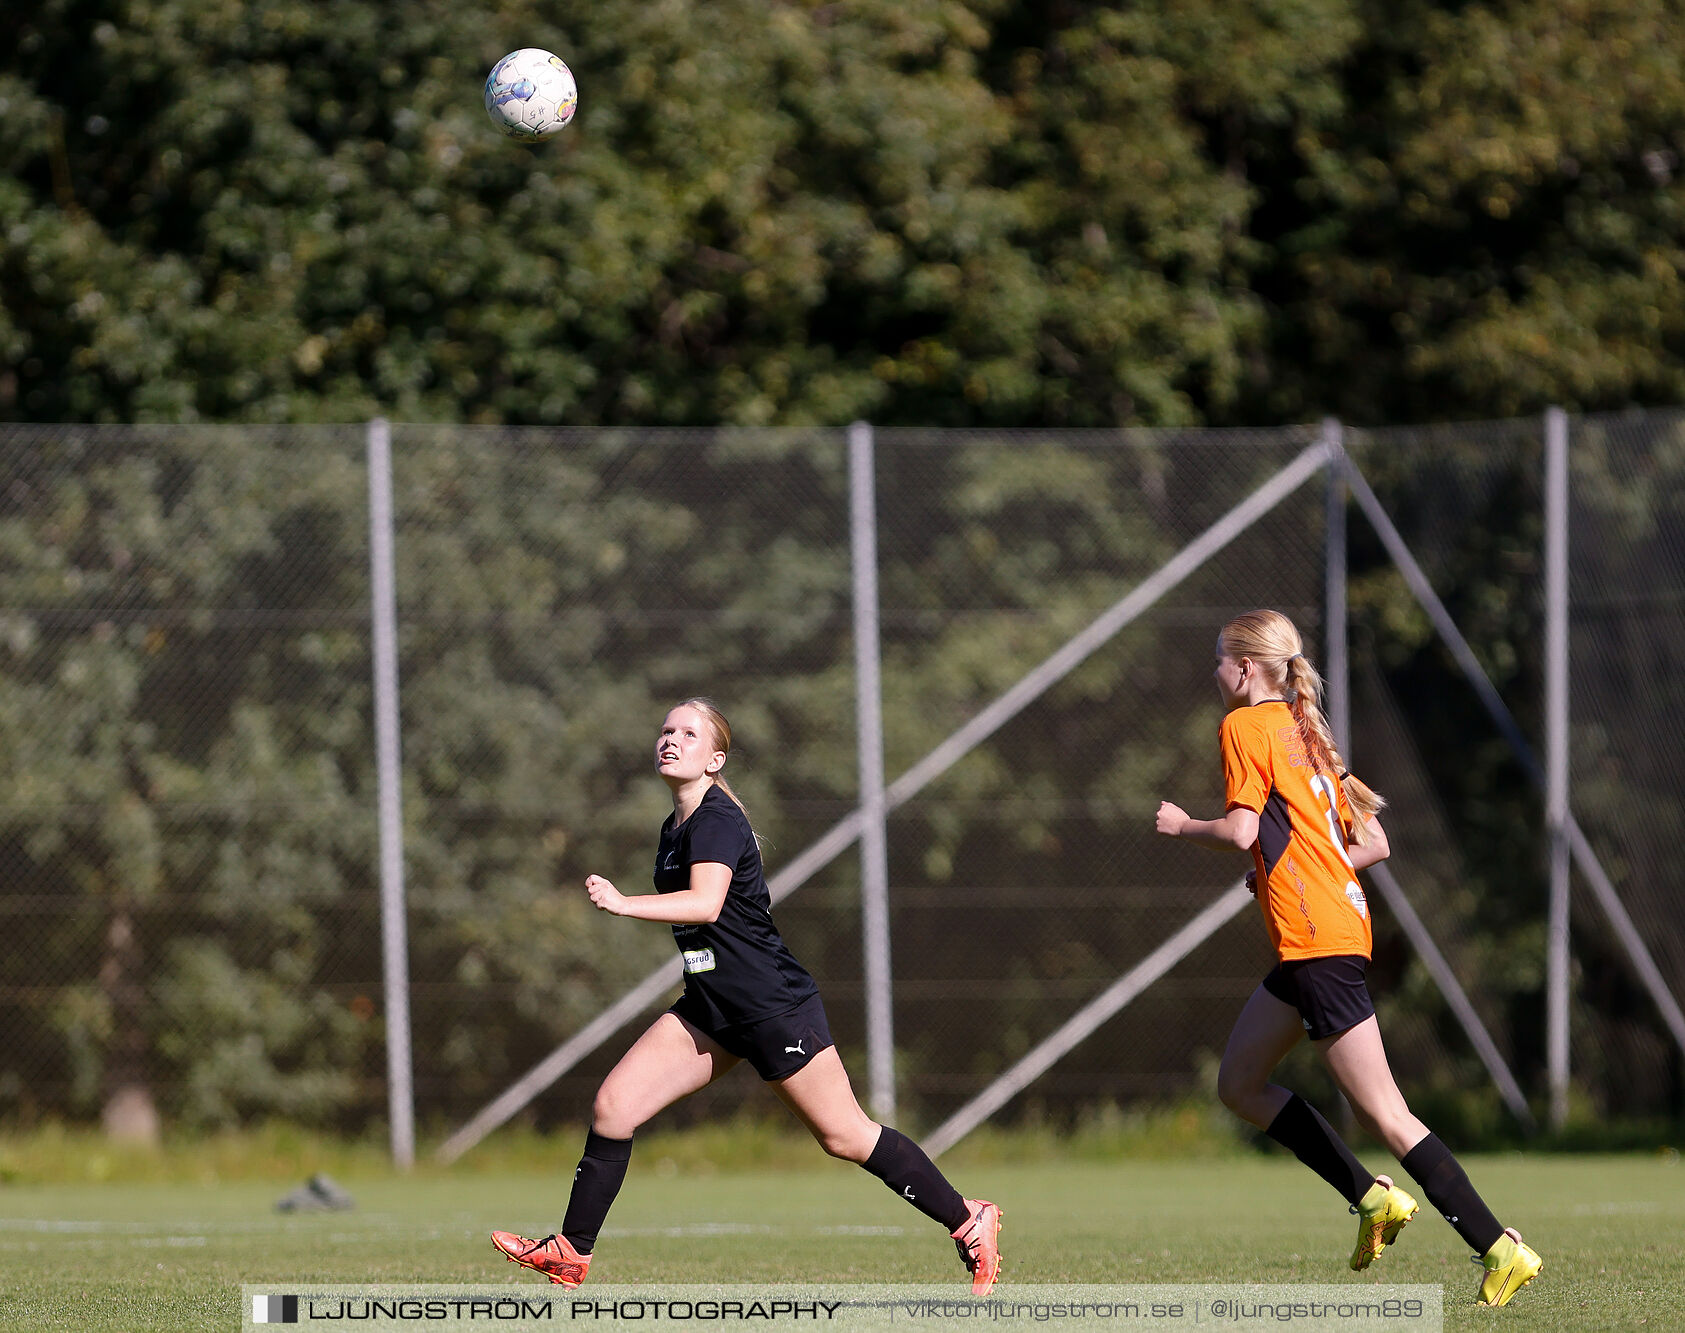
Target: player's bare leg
1265,1032
670,1061
822,1098
1267,1029
1358,1061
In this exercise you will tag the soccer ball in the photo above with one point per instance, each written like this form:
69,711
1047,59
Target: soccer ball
530,94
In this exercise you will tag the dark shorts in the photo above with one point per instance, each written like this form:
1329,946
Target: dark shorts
777,1046
1329,993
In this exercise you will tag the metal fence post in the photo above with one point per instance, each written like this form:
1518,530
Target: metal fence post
874,842
1337,661
868,718
394,944
1336,664
1556,756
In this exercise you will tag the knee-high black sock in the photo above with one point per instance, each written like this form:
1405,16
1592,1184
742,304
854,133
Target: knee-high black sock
1300,1129
902,1165
1447,1186
596,1180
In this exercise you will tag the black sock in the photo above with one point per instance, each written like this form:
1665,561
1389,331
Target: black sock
1300,1129
596,1180
1447,1186
902,1165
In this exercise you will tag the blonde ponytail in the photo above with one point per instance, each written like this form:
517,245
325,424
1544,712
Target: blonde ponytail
1272,641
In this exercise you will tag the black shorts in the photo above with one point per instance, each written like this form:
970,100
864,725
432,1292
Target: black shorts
1329,993
777,1046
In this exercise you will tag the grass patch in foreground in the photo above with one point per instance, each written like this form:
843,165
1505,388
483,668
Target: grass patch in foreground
135,1256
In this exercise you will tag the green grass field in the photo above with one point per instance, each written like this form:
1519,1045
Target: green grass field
138,1255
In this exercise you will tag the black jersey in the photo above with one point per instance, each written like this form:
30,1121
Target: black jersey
737,968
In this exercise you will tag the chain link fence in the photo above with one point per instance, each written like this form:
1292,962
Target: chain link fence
1029,877
184,830
1465,825
187,828
1627,638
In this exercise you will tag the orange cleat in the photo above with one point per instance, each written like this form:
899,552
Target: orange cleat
978,1241
552,1256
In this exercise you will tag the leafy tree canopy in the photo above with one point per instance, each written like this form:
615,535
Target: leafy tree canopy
917,211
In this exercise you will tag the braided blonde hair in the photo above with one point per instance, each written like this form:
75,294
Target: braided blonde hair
1272,641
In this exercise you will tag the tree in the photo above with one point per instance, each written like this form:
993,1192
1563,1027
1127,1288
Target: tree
936,213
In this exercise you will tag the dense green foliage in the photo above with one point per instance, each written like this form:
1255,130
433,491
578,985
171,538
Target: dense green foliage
917,211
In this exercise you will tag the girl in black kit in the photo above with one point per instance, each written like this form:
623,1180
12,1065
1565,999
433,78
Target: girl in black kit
745,998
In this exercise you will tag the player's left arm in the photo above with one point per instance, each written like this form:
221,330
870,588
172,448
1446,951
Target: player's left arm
701,903
1362,855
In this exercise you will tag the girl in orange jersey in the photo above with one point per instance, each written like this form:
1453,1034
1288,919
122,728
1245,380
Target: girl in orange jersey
1310,826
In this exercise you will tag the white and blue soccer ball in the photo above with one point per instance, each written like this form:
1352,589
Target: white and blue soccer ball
530,94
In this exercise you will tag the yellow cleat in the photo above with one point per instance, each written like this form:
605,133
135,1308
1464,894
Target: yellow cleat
1379,1224
1510,1265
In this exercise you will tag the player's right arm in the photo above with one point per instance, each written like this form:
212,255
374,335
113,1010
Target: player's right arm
1234,832
1246,786
695,906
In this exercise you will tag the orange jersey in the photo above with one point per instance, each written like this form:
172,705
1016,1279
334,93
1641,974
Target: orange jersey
1307,888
